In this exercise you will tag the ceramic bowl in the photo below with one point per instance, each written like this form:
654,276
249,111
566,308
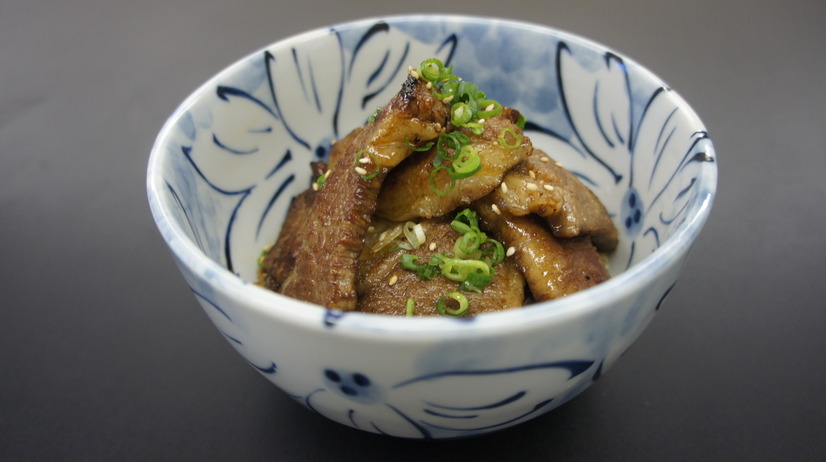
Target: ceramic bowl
229,160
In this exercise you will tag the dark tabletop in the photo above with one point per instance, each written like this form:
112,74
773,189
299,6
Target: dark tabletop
105,354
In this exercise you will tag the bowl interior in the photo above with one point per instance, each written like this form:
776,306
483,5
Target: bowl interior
231,158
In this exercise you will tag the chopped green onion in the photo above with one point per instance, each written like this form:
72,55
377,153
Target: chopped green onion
476,282
465,221
458,270
261,257
322,180
422,148
431,69
493,255
411,306
443,309
490,109
460,114
467,162
469,243
373,116
517,138
521,122
425,272
441,192
414,234
373,158
475,127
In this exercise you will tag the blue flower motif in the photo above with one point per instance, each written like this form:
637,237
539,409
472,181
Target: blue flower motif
292,108
452,404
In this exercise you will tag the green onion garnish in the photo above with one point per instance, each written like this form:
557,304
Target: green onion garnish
459,270
411,307
476,282
443,309
490,109
422,148
467,162
517,138
414,234
465,221
360,160
441,192
321,181
373,116
521,122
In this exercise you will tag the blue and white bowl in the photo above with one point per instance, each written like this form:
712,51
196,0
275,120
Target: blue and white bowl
229,160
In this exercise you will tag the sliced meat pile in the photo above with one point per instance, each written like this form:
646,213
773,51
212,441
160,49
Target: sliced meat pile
341,244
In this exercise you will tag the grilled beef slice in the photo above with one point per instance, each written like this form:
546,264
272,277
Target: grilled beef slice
551,266
321,266
408,194
541,186
384,286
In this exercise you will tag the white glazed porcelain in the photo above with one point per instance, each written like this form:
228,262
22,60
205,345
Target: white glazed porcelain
229,160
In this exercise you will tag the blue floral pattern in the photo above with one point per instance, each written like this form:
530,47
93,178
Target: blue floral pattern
632,141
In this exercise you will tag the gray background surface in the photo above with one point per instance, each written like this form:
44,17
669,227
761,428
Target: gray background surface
105,355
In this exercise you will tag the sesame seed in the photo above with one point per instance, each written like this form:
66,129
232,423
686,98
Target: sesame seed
532,174
332,142
361,171
481,121
559,164
448,99
489,108
364,160
393,280
511,251
532,186
315,186
432,246
371,229
548,187
496,209
545,159
504,188
438,126
429,85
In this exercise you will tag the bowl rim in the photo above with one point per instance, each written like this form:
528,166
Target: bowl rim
303,314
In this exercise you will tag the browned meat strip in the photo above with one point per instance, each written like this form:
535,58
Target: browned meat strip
539,185
324,259
407,193
384,286
552,267
280,260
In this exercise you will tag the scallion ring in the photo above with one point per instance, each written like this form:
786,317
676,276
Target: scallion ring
373,159
441,192
414,234
460,114
503,138
422,148
467,245
493,255
457,269
467,163
459,298
465,221
490,108
411,307
476,282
